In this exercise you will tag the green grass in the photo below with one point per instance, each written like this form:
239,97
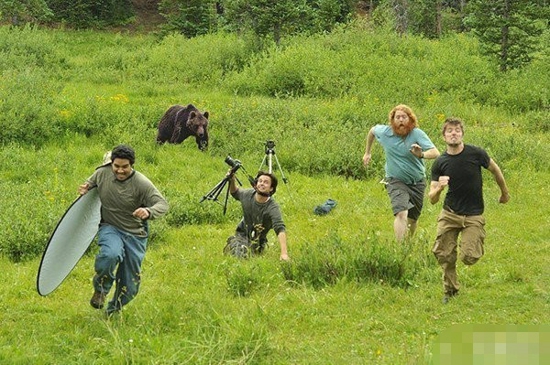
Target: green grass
198,306
350,295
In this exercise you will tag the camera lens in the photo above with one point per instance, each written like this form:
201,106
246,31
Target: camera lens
231,162
235,164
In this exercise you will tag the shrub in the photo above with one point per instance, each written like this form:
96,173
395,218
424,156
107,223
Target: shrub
186,209
35,206
330,260
204,59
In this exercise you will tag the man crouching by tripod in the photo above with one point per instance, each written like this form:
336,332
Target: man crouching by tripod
260,214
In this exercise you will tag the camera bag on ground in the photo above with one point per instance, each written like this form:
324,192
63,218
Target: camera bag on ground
238,246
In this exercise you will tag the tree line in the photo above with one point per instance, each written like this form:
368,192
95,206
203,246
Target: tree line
512,31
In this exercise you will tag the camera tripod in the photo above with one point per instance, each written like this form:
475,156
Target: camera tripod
215,192
269,154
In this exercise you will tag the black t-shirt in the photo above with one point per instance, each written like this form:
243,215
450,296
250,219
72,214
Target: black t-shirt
465,190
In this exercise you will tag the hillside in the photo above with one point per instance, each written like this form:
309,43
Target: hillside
350,294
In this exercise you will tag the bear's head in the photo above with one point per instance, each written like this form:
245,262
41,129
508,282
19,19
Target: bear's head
197,123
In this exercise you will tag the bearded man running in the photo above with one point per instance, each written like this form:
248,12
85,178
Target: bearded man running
406,147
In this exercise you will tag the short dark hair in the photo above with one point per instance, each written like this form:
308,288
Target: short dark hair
453,121
124,152
273,178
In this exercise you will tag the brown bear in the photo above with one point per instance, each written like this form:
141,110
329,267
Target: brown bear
180,122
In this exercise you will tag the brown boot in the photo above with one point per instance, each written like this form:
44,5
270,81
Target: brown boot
449,295
98,300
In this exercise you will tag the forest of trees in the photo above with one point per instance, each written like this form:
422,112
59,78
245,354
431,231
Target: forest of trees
512,31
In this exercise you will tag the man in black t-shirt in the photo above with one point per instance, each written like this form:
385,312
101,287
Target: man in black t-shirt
459,169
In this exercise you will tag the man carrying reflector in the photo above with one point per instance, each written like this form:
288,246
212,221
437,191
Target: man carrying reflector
128,201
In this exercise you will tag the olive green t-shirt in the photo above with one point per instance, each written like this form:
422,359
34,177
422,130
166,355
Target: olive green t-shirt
119,199
259,218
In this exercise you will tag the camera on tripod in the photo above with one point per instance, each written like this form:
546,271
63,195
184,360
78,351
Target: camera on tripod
216,191
269,156
269,146
235,164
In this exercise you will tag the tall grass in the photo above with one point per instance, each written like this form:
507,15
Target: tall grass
350,295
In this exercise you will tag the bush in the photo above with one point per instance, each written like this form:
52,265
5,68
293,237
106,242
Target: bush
186,209
36,204
331,260
200,60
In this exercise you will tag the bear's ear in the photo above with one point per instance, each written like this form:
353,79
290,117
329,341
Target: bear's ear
190,119
205,115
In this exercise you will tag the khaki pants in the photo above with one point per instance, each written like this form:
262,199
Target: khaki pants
472,231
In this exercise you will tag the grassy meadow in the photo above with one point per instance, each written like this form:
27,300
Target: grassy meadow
350,294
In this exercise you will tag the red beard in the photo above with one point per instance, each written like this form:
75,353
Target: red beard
402,130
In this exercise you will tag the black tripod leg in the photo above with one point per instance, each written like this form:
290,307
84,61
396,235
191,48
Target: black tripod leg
216,190
225,203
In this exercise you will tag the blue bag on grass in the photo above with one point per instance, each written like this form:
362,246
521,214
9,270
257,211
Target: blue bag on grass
325,208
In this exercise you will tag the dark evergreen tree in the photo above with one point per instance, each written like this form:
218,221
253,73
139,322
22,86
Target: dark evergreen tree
190,17
91,13
267,18
24,11
510,30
